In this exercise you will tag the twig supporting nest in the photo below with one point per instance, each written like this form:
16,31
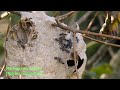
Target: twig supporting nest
74,47
85,32
58,19
65,27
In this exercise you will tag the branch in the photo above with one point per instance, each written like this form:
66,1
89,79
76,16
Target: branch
75,55
110,44
91,22
100,35
62,17
73,19
96,34
2,69
65,27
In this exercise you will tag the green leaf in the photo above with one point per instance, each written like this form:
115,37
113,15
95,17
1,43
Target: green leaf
105,68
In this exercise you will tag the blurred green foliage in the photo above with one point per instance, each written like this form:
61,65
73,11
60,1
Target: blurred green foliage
14,18
92,47
96,72
105,68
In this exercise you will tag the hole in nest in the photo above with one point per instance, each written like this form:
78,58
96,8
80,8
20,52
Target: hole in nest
71,63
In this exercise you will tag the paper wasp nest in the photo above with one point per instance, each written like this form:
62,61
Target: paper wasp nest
39,44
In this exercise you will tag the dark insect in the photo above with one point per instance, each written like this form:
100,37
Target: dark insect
59,59
64,49
62,34
68,44
77,39
64,44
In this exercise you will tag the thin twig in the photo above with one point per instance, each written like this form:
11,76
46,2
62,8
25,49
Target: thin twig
91,22
96,34
7,34
74,47
110,44
8,31
65,27
72,20
2,69
62,17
